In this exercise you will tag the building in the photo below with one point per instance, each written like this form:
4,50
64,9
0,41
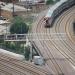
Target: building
9,1
33,1
7,10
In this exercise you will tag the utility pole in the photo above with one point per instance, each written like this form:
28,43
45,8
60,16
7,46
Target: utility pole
31,52
27,5
13,8
0,10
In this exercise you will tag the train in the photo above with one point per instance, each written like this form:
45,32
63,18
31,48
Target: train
56,10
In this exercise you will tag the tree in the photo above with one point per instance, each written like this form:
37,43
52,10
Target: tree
18,26
27,53
49,2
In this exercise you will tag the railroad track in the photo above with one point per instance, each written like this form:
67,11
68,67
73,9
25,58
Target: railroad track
2,72
11,66
65,46
20,67
60,53
46,54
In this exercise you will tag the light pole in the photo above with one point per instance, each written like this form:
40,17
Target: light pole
0,10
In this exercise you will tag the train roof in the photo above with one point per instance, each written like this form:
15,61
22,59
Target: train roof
51,9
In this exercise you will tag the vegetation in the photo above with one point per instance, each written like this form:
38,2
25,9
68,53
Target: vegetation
51,1
13,47
16,47
18,26
27,53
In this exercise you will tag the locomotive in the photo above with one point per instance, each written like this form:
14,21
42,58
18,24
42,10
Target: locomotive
56,10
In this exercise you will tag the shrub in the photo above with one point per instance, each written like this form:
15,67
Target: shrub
18,26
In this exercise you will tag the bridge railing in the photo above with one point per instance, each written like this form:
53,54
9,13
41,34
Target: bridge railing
33,37
15,37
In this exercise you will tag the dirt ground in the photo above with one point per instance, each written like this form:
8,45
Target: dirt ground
35,10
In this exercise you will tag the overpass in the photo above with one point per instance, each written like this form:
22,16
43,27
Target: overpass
23,37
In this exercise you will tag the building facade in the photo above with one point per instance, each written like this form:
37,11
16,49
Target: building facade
9,1
35,1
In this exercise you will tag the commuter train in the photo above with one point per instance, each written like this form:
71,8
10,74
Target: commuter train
56,10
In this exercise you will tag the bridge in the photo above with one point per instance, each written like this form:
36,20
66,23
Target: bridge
23,37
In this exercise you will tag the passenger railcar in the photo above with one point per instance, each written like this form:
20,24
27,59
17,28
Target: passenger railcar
56,10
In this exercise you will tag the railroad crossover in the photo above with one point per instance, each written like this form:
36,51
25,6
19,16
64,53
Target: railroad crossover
52,50
61,49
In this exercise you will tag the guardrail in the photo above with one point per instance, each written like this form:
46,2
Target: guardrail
23,37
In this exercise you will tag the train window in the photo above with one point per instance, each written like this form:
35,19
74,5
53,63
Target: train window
55,13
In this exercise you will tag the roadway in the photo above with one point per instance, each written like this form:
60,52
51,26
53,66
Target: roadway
58,52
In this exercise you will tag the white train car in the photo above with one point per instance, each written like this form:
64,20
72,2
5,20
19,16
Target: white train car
53,12
56,9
